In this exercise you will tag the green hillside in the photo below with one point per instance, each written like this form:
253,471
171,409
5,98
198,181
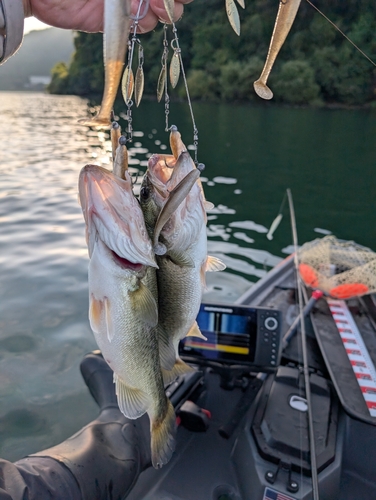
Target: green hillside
316,65
39,52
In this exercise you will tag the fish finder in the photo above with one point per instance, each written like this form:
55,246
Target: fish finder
235,335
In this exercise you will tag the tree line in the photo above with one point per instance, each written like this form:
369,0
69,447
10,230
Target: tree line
316,66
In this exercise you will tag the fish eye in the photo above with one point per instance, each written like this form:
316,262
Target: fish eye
144,193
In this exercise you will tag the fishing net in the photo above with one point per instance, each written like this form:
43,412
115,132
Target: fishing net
342,269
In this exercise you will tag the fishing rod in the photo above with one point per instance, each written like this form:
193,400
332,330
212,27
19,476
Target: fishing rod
300,321
312,446
342,33
316,295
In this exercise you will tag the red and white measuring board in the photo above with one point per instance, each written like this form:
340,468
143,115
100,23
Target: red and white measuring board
357,352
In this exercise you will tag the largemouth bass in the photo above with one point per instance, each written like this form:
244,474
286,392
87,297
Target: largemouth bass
182,267
123,312
285,18
116,31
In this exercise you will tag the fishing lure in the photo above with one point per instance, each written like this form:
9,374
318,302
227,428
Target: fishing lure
233,15
285,17
139,80
175,65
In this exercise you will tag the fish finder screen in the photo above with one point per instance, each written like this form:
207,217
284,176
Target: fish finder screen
231,334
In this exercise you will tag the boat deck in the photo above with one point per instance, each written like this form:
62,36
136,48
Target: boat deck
265,442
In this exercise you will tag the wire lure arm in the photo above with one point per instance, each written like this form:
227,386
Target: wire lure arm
140,15
129,83
177,53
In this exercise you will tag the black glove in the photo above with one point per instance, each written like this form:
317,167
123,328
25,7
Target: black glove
105,458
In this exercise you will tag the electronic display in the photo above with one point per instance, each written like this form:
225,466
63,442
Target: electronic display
235,334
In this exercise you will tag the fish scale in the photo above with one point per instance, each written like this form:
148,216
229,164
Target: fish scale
184,283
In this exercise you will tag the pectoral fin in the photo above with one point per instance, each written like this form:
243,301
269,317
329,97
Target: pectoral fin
213,264
132,402
143,303
196,332
95,313
181,259
167,352
98,308
210,265
109,324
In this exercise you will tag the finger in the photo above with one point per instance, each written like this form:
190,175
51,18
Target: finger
147,23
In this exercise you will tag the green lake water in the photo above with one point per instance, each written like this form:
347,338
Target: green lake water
326,157
252,154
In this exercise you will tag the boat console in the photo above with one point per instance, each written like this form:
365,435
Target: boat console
243,431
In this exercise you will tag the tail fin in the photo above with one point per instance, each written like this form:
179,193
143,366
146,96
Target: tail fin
163,438
179,368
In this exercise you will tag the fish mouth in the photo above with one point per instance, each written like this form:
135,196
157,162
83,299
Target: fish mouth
125,263
165,171
161,168
113,214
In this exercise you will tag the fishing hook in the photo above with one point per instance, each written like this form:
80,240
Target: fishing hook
167,165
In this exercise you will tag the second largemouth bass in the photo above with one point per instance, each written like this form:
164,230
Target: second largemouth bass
182,268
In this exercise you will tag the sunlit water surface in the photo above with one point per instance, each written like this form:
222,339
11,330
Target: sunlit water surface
251,156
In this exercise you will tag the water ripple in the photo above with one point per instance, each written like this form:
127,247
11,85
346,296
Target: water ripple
44,329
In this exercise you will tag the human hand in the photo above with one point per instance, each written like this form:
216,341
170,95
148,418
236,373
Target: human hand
87,15
106,456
